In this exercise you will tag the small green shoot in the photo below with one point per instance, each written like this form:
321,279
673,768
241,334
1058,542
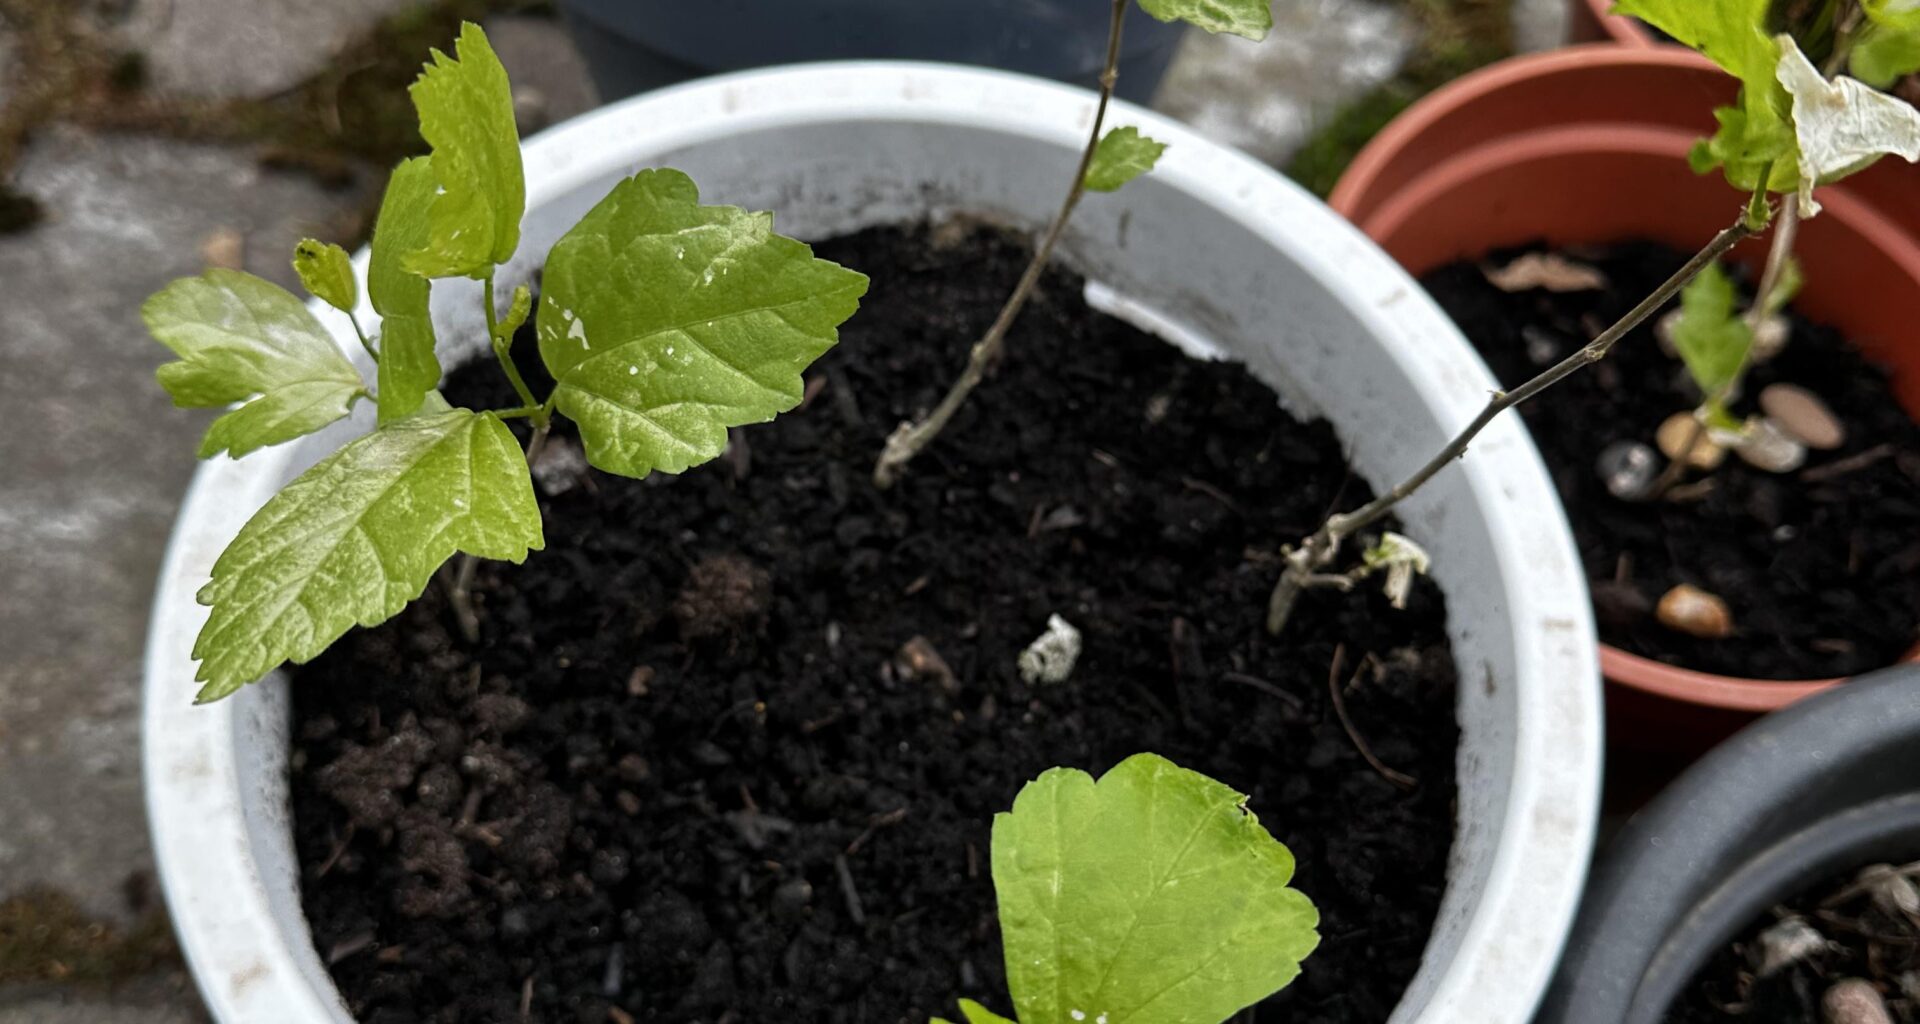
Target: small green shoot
326,272
1713,339
665,322
1152,896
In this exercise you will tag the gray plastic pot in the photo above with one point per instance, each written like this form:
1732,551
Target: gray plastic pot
1826,786
635,45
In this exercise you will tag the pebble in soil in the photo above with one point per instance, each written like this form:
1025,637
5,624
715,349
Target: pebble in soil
1820,566
729,749
1859,933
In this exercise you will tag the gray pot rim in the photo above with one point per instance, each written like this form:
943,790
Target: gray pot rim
1830,783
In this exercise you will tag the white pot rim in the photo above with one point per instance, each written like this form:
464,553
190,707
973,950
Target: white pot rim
1502,958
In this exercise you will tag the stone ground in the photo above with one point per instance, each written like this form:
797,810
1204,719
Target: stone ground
99,460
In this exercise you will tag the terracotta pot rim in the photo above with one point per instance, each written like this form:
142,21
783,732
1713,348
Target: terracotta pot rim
1468,164
1389,212
1735,693
1469,89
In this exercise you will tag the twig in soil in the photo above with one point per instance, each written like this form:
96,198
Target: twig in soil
1687,494
1401,779
616,1015
333,856
973,861
875,824
1215,493
847,891
1265,687
348,947
526,998
469,808
909,438
1851,464
1306,559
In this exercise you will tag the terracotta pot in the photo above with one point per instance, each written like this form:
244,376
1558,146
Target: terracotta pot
1589,21
1587,145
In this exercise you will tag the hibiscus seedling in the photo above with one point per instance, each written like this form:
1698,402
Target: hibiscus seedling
663,322
1794,127
1107,163
1152,896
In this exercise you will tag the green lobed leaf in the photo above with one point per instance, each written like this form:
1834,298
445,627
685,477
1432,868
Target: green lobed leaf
1757,134
1711,336
408,366
357,537
1888,49
466,115
1841,126
1900,14
326,272
244,339
1122,156
1885,55
1149,897
1250,18
975,1014
664,322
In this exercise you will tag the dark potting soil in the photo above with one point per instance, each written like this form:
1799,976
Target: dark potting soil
698,768
1821,567
1780,969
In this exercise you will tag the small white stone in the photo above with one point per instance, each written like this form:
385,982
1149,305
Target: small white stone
1050,658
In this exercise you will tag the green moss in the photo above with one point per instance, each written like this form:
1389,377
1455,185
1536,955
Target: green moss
354,113
1455,37
45,937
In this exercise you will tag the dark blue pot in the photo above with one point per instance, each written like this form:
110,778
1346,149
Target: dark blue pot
635,45
1827,786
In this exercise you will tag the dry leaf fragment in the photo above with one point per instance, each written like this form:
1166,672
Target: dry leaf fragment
1548,270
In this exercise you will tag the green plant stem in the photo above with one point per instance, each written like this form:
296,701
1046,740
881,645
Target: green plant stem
362,335
1315,552
503,351
1845,34
909,439
460,591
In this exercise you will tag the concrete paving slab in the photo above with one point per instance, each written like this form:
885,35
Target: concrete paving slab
159,999
550,81
92,474
243,49
1267,98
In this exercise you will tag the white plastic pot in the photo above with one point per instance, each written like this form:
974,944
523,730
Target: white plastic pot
1212,251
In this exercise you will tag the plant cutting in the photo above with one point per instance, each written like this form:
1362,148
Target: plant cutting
723,313
723,745
1107,163
1792,130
